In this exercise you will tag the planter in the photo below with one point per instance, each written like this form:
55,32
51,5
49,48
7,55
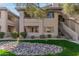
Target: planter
15,35
23,34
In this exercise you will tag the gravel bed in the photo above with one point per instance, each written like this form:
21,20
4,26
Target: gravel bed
30,49
7,45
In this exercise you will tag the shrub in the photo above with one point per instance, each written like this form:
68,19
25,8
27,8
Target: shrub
14,34
49,36
42,36
6,53
23,34
2,34
32,37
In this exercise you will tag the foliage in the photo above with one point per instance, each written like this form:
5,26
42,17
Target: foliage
23,34
14,34
34,11
6,53
2,34
70,8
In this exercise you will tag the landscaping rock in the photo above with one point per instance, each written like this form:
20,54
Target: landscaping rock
36,49
30,49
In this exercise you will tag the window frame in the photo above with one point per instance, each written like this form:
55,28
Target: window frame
50,15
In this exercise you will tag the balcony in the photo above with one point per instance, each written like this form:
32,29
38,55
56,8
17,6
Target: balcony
11,23
36,21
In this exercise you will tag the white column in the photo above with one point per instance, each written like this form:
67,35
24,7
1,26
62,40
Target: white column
4,17
41,27
21,21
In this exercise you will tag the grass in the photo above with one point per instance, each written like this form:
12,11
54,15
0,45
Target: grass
70,48
6,53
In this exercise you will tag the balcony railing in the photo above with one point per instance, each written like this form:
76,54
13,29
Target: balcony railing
12,23
72,33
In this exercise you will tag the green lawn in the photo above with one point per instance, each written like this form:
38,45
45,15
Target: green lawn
6,53
70,48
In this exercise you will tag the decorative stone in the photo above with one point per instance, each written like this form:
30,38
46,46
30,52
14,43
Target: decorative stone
30,49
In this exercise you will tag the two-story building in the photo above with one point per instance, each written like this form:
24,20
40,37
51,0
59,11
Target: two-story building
8,20
36,26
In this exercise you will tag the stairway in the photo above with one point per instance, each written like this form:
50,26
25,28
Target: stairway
66,35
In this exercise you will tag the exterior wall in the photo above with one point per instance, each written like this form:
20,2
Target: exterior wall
5,22
17,24
21,21
77,28
13,23
48,22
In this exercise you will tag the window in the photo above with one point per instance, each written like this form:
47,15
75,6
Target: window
32,28
50,15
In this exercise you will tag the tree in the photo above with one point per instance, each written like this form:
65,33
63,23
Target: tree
70,8
30,9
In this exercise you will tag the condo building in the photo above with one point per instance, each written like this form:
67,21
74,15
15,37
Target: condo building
8,21
39,26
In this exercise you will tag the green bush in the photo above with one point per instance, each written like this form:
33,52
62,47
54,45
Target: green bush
42,36
14,34
23,34
6,53
2,34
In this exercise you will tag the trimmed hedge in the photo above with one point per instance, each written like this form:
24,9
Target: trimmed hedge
2,34
23,34
14,34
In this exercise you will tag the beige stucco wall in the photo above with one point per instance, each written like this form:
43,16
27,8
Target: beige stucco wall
77,28
13,22
48,22
21,21
4,22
